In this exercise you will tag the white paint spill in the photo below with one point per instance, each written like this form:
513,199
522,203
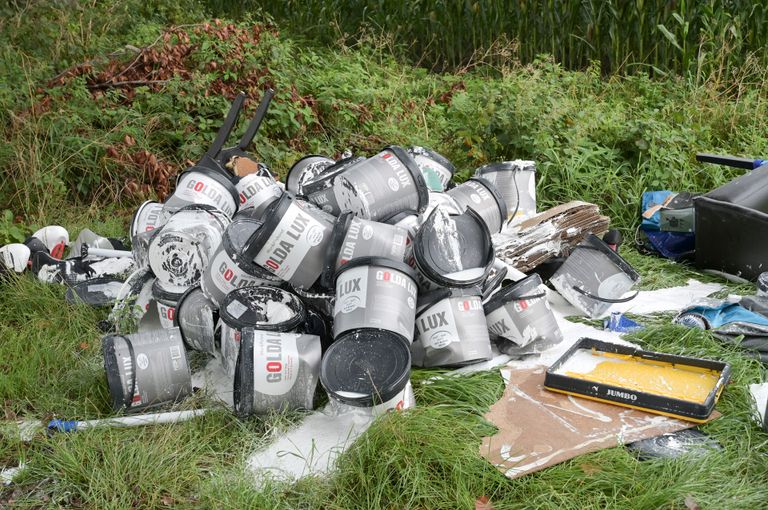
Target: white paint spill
278,312
760,394
8,474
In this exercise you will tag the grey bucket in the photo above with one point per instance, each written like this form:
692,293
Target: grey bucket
292,242
196,318
206,186
452,251
264,308
482,196
180,251
257,192
304,170
146,369
516,181
354,237
320,189
166,301
451,329
435,168
521,314
444,201
594,276
149,216
382,186
230,268
375,292
275,371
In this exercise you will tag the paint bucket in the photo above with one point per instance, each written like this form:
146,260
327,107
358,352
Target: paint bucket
256,192
451,329
762,285
354,237
319,190
452,250
382,186
367,368
435,168
292,242
304,170
375,292
179,252
205,186
276,372
516,181
148,216
15,256
521,314
196,318
165,301
444,201
594,276
230,268
483,197
146,369
409,222
264,308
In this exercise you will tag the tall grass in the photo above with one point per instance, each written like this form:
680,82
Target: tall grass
657,35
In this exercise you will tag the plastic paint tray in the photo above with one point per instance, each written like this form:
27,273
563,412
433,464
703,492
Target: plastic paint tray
676,386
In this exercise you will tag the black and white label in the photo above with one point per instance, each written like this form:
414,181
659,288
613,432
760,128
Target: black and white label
351,289
437,326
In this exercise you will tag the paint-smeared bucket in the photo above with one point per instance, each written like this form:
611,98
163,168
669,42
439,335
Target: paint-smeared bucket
276,371
762,285
304,170
382,186
354,237
166,301
516,181
444,201
264,308
292,242
257,192
375,292
15,256
180,251
146,369
196,318
482,196
409,222
452,250
435,167
206,186
451,329
594,276
230,268
148,216
520,313
319,190
367,368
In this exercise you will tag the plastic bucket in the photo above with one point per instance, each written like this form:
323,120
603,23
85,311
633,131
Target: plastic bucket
435,168
264,308
375,292
354,237
196,318
593,277
521,314
483,197
304,170
276,372
257,192
166,304
516,181
206,186
180,251
319,190
146,369
452,251
15,256
148,216
451,329
230,268
382,186
367,368
292,242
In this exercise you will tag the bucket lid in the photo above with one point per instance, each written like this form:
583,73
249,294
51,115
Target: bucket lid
418,177
165,296
430,299
192,302
517,165
496,195
102,291
523,289
338,234
216,173
434,156
378,262
474,243
250,307
295,173
365,367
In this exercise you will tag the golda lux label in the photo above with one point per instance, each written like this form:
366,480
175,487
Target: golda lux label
286,248
275,362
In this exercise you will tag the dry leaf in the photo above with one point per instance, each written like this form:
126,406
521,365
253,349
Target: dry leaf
691,503
483,503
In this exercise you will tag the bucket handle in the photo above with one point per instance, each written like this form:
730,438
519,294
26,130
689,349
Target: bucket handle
129,400
605,300
532,296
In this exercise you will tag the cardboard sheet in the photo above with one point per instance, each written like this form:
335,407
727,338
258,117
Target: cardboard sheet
539,428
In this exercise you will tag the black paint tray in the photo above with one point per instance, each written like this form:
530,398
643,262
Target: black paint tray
676,386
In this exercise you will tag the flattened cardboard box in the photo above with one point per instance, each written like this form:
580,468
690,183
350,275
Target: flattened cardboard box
539,428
